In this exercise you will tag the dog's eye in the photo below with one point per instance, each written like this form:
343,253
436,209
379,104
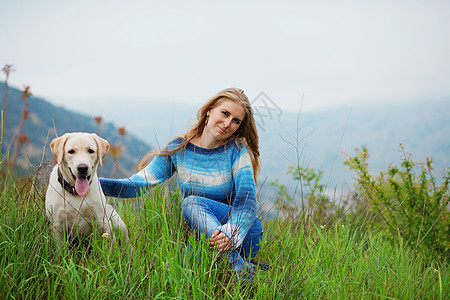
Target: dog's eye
91,151
71,151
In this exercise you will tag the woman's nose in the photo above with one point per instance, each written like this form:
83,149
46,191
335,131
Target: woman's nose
227,122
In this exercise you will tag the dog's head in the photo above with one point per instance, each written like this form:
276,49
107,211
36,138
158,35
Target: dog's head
78,155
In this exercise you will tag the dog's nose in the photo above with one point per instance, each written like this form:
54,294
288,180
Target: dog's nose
83,169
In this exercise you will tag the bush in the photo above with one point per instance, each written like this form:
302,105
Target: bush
407,200
308,198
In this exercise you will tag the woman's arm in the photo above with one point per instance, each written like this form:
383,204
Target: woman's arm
157,171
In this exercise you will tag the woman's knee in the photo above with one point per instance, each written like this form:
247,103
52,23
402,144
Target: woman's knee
187,202
194,208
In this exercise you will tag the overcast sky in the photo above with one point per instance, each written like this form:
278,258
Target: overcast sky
328,52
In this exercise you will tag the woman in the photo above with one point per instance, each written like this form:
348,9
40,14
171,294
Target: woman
217,163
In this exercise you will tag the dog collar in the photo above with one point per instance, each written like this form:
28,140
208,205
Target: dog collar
65,184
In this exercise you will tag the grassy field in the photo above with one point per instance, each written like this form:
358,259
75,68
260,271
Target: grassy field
339,260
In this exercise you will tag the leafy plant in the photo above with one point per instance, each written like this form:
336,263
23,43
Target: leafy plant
407,200
309,197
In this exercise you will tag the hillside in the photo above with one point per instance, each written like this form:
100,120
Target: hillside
323,136
44,117
326,136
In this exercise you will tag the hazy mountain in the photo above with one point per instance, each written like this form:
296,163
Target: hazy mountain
44,118
422,127
323,136
313,139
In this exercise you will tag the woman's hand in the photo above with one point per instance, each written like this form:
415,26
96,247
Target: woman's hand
220,241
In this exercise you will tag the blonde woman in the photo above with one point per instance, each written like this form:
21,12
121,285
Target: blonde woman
217,162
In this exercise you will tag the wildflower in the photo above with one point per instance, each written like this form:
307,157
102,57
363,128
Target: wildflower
7,69
26,93
98,119
122,131
23,139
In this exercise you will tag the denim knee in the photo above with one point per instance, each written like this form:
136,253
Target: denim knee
188,204
189,208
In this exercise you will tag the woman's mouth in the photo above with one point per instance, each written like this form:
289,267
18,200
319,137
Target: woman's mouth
221,130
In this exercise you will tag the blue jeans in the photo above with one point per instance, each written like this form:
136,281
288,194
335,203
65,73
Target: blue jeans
204,215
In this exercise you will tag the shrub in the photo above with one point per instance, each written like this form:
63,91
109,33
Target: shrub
407,200
308,198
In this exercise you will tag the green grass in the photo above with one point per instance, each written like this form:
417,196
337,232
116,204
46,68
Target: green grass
164,261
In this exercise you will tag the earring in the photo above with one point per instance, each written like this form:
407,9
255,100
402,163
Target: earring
207,118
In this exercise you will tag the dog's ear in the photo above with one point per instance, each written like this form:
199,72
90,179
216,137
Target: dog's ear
103,148
57,147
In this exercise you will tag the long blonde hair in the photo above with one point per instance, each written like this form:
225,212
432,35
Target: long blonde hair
246,134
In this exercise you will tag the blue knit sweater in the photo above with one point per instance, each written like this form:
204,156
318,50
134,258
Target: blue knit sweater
224,174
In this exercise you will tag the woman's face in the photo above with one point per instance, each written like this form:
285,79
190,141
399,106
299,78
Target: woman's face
224,120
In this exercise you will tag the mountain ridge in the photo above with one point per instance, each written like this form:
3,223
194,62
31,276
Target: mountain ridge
325,136
315,139
46,121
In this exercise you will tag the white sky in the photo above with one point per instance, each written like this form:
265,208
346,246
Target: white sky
329,52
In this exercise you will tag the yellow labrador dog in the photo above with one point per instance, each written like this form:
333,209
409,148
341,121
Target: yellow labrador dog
75,201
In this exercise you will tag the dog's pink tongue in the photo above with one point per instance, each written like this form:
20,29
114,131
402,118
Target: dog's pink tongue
81,186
